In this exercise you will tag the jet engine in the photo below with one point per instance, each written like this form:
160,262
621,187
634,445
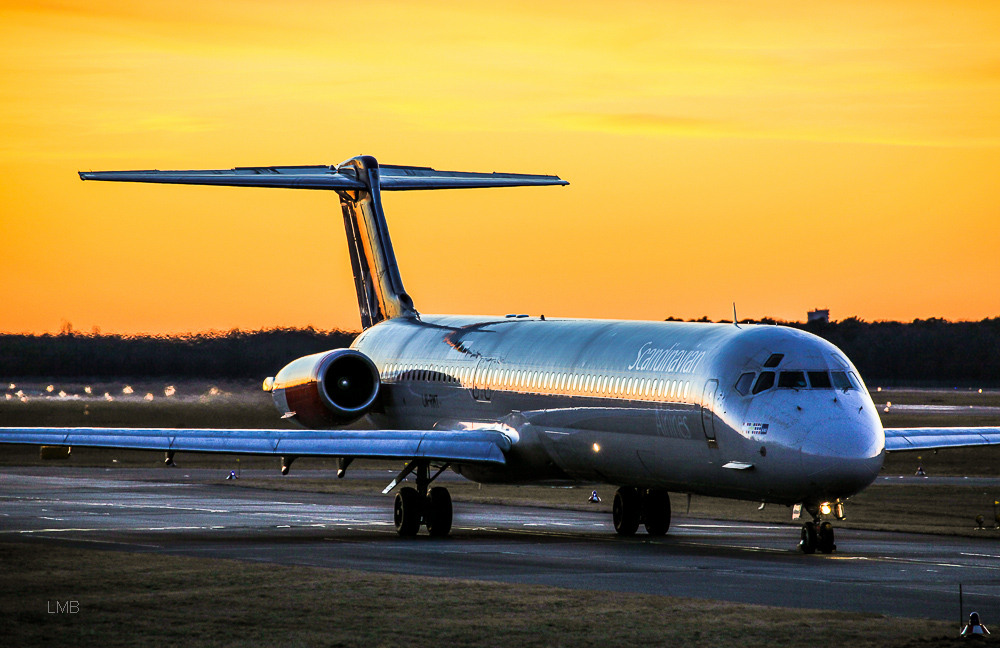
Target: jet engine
326,389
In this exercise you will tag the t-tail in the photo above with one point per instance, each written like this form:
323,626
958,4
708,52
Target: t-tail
359,182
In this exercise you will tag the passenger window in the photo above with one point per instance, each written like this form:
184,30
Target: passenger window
743,384
791,380
820,380
765,381
840,380
774,360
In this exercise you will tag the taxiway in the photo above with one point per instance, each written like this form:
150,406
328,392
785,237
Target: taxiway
149,510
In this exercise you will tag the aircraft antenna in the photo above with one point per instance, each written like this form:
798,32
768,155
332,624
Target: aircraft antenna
736,322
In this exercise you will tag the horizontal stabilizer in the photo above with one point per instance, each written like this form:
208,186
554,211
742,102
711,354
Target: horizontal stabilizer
333,178
459,446
897,439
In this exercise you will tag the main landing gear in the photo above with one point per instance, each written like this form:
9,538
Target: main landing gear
649,507
421,505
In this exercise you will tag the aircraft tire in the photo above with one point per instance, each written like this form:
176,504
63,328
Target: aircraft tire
809,540
438,512
406,512
825,542
656,512
625,511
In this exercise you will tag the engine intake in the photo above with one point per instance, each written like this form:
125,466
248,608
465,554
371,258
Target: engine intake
326,389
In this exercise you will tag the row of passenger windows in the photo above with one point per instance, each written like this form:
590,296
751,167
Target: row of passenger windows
797,380
554,382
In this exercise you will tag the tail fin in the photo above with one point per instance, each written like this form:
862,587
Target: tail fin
376,276
359,183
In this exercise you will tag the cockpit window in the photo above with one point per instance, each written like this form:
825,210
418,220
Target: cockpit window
840,380
774,360
820,380
792,380
743,384
764,382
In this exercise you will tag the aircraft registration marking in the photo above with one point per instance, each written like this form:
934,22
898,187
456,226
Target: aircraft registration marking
756,428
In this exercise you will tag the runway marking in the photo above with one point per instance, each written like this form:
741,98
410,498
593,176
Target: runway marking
914,561
727,526
117,505
113,542
978,555
110,530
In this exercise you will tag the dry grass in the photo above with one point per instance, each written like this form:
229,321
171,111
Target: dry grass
128,599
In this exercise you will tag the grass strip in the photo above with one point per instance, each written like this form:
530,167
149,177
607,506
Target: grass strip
129,599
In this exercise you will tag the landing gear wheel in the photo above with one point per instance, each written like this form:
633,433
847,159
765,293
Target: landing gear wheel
625,511
406,512
825,542
437,513
656,512
809,540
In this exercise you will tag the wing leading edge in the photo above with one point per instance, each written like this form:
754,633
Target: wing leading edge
329,177
897,439
460,446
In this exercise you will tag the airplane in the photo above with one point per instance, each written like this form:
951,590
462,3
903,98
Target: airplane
763,413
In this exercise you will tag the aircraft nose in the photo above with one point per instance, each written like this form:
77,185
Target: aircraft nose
843,455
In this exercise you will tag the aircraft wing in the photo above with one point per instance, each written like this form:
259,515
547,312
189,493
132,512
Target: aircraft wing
328,177
897,439
459,446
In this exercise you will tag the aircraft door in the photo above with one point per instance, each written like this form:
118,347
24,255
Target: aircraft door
707,410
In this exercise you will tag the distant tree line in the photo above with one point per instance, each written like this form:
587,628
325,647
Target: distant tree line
929,350
932,351
234,355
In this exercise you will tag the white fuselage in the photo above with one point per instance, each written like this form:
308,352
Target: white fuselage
668,405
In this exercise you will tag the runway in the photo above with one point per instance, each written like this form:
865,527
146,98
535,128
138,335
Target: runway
149,510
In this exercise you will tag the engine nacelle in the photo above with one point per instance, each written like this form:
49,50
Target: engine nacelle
326,389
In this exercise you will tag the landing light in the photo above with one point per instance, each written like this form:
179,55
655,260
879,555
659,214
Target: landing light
597,447
825,508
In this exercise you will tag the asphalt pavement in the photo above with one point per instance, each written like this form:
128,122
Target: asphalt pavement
156,510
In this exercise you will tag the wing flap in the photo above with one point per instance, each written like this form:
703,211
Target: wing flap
897,439
474,446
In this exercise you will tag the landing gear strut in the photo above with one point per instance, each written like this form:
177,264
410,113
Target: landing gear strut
647,506
817,536
422,505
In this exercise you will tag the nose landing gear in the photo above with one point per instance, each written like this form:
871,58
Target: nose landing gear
818,535
647,506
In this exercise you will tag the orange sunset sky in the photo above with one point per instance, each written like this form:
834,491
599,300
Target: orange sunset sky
782,155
